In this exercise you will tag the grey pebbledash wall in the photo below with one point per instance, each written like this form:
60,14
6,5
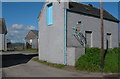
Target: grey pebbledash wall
90,23
51,45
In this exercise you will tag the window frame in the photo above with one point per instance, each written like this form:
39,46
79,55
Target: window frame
91,33
49,14
109,34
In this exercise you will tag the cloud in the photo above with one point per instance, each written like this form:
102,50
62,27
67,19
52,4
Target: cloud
17,32
22,27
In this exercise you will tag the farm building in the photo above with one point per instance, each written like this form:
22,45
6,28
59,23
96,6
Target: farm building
66,28
32,39
3,32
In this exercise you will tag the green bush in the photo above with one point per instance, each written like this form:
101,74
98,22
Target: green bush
92,50
91,60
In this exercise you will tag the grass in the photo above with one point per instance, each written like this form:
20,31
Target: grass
25,50
10,51
31,50
49,64
91,61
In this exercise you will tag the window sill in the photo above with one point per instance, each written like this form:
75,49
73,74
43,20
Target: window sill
49,25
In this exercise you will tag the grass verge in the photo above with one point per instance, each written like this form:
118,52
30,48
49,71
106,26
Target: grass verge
11,51
49,64
31,50
24,50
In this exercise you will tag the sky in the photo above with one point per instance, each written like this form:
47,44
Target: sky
21,17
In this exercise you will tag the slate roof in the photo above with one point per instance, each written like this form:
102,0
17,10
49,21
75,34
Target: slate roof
35,32
90,10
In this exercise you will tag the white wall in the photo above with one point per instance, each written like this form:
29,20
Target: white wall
3,42
35,43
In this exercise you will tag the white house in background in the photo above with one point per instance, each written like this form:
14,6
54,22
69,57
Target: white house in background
3,32
32,39
66,28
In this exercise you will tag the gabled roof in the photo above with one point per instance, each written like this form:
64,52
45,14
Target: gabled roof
35,32
3,29
32,34
90,10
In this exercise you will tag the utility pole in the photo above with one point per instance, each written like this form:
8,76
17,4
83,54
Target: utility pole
102,36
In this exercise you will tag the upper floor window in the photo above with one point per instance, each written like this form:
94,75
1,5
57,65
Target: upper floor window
49,14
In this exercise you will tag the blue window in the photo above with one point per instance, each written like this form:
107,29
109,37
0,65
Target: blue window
49,15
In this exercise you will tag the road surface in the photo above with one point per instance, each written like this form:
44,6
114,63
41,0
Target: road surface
21,65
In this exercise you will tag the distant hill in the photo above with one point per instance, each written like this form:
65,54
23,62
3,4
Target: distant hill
15,44
18,46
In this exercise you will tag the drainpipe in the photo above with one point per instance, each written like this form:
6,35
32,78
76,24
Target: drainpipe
65,49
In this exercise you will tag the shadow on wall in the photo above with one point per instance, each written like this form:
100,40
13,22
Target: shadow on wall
15,59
